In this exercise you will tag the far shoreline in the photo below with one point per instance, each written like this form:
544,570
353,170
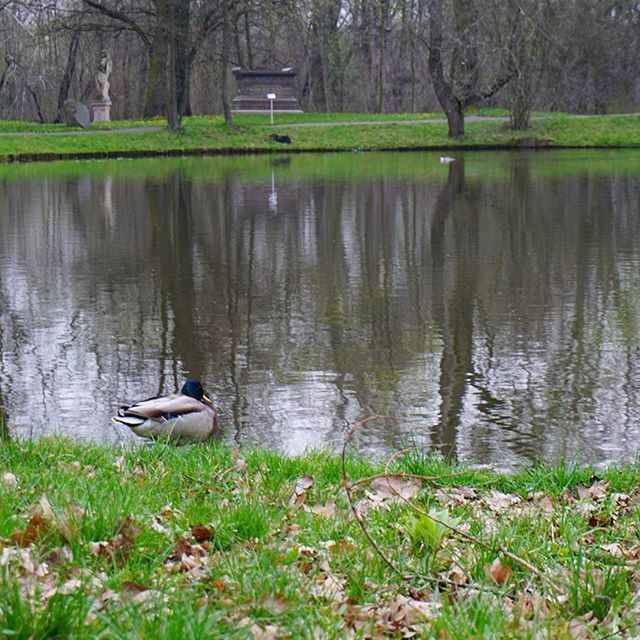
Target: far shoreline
311,133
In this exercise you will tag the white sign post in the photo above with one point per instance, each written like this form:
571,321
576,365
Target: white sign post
271,97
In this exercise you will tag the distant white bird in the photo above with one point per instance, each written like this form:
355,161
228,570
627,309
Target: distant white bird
446,160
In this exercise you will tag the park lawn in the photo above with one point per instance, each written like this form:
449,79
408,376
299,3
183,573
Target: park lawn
209,134
203,541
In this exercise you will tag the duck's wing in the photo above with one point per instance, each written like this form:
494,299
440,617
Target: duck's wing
163,407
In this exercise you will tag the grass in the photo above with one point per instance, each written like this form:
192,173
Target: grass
205,541
209,134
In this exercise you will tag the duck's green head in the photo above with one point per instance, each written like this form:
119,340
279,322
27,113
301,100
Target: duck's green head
193,389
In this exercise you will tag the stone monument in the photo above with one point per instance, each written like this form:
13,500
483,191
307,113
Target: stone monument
254,85
76,113
101,106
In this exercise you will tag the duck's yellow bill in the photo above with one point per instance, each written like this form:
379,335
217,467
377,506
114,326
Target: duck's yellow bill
206,399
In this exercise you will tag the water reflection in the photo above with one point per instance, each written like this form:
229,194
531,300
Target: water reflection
489,305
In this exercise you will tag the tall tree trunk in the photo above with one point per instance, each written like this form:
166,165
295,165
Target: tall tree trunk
67,76
167,17
444,89
324,27
36,104
182,9
247,38
154,95
381,55
224,74
10,64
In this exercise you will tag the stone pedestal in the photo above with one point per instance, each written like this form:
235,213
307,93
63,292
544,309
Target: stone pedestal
253,86
101,110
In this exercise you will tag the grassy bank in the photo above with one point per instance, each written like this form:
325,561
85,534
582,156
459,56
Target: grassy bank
204,541
329,132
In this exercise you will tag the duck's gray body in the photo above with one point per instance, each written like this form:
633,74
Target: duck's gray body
184,417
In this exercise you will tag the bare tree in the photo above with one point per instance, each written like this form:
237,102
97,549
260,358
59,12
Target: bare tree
462,84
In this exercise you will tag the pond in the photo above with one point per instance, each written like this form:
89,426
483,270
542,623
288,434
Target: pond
489,307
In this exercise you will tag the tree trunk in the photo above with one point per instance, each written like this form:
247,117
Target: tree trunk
182,10
36,104
167,18
224,64
154,95
247,38
67,76
444,90
381,55
10,64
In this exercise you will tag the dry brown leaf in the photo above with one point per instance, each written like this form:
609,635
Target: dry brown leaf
292,529
303,484
270,632
529,605
200,532
456,495
339,547
498,501
498,572
276,603
327,510
239,464
330,588
578,630
457,575
59,556
394,488
621,501
596,491
36,527
403,616
132,587
184,547
614,548
120,545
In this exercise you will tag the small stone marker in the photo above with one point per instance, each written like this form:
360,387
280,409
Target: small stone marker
82,116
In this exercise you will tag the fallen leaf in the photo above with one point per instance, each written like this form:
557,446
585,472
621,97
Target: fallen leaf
303,484
614,548
456,495
132,587
329,587
498,501
239,464
395,488
596,491
120,545
339,547
529,605
498,572
36,527
200,532
270,632
292,529
327,510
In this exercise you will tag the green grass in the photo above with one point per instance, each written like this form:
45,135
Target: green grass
209,134
202,541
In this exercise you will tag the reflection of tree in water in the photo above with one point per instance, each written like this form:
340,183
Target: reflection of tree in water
454,301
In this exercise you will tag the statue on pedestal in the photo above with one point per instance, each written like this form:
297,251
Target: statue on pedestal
102,104
102,75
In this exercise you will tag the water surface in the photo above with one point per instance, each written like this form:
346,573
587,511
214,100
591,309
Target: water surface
490,307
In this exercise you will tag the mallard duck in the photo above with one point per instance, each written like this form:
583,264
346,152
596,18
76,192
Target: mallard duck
187,416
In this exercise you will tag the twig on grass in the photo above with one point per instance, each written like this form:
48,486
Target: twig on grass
349,486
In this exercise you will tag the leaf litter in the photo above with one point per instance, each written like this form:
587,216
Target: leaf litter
450,564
